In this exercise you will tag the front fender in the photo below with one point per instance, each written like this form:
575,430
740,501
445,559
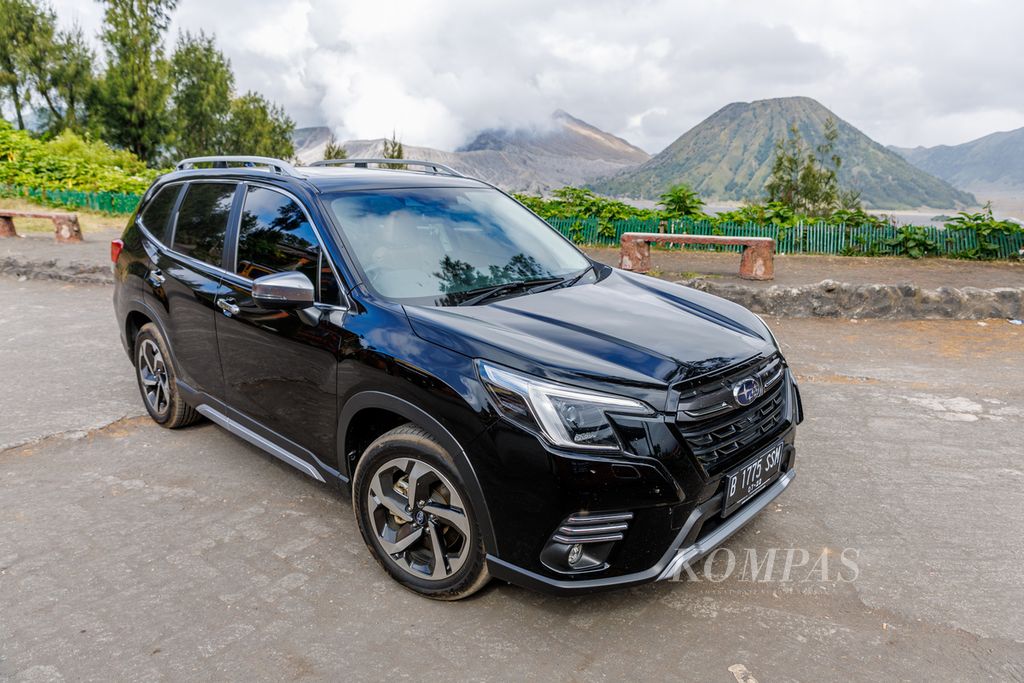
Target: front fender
418,416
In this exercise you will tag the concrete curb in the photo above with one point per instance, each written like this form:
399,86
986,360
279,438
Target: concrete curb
831,299
79,272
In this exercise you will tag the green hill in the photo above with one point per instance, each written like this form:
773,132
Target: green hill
728,156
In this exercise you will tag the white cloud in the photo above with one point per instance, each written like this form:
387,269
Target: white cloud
906,73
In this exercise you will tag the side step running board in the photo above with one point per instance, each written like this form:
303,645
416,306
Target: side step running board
258,441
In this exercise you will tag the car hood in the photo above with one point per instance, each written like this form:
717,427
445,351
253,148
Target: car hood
635,332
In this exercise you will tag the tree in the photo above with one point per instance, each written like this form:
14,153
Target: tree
256,126
203,83
393,150
23,26
334,150
137,85
60,68
805,181
681,202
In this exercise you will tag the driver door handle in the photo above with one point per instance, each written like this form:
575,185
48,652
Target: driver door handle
229,307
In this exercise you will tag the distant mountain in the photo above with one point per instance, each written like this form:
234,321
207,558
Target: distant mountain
989,166
567,151
728,156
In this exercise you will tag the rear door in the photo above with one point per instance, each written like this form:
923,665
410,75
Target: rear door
280,367
186,280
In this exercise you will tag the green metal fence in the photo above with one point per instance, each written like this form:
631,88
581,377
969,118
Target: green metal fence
845,240
106,202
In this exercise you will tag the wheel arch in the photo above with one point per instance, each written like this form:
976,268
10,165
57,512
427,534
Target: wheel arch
371,402
139,313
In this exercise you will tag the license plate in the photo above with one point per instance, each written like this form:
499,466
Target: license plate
750,477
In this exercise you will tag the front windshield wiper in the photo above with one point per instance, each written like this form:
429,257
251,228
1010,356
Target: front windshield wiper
567,281
477,296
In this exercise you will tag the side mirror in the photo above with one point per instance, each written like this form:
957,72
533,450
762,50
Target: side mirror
283,291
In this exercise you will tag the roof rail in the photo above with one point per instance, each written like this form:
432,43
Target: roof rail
439,169
222,161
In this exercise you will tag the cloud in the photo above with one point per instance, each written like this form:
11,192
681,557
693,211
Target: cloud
437,72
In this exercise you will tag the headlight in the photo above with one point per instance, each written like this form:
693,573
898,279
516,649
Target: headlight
564,415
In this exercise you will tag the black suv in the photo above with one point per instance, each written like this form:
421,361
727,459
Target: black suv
498,404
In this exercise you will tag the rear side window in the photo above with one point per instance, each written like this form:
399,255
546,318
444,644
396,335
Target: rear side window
275,236
203,221
156,216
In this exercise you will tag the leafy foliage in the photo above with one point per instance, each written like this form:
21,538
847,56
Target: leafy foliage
69,162
987,227
912,241
681,202
257,126
203,82
576,202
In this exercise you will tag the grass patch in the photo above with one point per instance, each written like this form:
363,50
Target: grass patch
89,220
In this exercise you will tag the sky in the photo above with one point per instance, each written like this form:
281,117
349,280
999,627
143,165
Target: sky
906,72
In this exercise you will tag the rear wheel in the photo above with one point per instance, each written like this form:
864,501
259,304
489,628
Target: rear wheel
416,518
156,377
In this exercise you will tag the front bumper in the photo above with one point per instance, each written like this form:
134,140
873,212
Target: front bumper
683,551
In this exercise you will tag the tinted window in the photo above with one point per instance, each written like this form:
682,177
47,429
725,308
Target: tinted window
275,236
203,220
155,216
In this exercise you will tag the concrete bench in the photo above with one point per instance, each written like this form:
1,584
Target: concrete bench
756,263
65,225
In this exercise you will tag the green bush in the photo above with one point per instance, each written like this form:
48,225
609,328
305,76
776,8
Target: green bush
69,162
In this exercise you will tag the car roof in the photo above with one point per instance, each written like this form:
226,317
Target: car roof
342,178
333,178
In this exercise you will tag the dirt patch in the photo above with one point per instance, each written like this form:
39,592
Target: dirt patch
795,270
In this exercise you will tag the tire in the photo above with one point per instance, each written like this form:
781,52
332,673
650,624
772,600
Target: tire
408,456
155,375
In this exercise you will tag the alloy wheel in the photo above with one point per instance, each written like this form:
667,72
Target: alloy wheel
154,377
419,519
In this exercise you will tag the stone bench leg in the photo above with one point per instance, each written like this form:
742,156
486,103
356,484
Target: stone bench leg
758,262
67,229
635,255
7,227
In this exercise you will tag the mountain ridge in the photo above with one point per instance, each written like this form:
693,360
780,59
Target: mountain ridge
568,151
990,165
728,157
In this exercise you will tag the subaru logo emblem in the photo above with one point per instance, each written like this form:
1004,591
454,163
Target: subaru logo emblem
746,391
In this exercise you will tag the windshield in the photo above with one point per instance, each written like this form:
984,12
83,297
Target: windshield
439,246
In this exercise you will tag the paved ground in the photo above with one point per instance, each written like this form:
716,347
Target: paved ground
800,269
129,552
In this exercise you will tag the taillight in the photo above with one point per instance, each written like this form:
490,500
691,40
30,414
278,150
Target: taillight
115,249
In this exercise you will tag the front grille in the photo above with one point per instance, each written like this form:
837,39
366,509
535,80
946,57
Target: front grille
716,430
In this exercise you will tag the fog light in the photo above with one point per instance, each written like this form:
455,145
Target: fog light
575,553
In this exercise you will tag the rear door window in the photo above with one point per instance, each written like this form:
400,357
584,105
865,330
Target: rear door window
155,218
203,221
275,236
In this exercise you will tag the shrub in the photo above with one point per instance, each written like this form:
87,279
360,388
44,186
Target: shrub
69,162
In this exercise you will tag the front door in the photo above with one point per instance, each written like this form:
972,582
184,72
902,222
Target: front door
280,367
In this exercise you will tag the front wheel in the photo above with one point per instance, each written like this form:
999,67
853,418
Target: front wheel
416,518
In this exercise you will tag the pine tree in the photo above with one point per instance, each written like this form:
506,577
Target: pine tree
393,150
334,149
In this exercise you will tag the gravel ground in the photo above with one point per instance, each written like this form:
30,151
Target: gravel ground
129,552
